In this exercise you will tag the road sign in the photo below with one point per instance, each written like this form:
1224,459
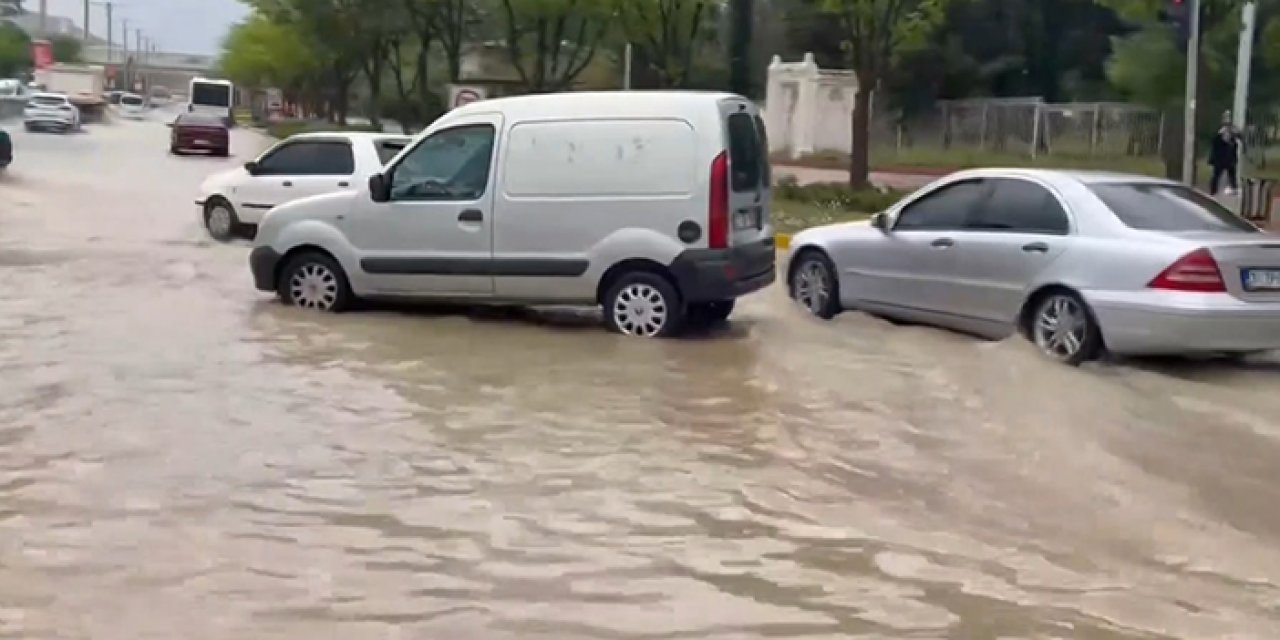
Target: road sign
463,95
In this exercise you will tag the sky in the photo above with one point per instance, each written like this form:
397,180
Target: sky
178,26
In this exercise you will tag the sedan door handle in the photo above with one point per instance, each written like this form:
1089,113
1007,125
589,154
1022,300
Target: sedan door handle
1036,247
943,243
471,215
288,183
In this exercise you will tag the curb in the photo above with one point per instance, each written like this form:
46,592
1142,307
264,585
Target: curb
782,240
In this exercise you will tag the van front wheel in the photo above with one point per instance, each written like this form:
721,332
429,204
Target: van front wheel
644,304
313,280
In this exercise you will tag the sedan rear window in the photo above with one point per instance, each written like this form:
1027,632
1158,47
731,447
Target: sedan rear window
48,101
1154,206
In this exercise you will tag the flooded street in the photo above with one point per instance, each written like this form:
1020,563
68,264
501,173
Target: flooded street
183,457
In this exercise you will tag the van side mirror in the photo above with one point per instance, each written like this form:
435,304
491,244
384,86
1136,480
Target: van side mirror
880,221
379,188
251,167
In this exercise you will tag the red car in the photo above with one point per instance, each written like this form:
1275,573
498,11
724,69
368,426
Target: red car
197,132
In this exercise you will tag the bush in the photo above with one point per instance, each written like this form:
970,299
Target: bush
289,128
836,196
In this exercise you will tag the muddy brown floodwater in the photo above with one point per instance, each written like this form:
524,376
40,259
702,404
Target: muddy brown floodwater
181,457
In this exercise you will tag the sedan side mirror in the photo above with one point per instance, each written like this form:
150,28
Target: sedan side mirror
880,221
379,188
251,167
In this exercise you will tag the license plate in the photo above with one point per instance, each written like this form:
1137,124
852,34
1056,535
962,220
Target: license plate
1260,279
202,142
747,218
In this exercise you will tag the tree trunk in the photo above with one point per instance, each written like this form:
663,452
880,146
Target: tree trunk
859,158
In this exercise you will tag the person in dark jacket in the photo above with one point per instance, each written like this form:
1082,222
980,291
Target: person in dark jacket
1224,156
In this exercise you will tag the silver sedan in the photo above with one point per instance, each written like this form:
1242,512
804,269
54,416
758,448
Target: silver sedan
1078,262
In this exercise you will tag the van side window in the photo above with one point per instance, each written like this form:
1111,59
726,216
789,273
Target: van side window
746,159
453,164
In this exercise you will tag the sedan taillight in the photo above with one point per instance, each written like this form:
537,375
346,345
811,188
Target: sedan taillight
1197,271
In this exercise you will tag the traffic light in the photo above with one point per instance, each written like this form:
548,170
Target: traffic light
1177,13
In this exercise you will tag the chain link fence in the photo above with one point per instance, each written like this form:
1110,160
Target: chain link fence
1022,127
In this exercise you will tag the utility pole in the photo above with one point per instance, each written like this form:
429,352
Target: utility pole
1244,60
1189,116
741,19
626,68
44,18
111,23
86,22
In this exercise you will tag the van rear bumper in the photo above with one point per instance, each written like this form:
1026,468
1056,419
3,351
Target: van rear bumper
708,275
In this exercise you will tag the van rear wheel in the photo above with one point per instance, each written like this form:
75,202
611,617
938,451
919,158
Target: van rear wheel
645,305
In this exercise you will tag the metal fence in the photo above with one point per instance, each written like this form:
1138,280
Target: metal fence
1026,127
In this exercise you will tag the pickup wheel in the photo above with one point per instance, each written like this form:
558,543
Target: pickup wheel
220,220
313,280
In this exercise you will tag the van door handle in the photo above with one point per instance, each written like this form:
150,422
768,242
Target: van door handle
344,184
1036,247
288,183
471,215
943,243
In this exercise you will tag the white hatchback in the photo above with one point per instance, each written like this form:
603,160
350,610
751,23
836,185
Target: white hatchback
232,203
133,106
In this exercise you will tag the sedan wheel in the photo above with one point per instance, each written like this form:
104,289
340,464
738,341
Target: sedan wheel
814,285
221,221
1064,330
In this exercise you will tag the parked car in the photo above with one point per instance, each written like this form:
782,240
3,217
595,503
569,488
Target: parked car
654,205
1077,262
233,202
198,132
51,111
6,149
133,106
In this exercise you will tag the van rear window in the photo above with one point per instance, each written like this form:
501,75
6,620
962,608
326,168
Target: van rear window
746,158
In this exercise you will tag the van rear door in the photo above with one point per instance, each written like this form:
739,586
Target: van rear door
749,173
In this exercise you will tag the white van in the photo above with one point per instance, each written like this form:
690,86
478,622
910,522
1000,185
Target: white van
132,106
652,204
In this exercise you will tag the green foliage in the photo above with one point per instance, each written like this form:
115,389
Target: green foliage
551,42
665,36
260,52
15,51
1148,68
835,195
66,48
289,128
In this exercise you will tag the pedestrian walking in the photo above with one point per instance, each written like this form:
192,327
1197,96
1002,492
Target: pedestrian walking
1224,156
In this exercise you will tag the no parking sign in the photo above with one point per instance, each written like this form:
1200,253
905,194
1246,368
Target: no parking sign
460,95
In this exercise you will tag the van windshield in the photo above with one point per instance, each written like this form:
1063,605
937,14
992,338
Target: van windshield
748,161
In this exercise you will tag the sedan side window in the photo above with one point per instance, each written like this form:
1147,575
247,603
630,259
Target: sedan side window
451,165
1020,206
309,158
944,209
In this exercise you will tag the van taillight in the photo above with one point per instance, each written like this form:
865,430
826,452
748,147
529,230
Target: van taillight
718,209
1197,271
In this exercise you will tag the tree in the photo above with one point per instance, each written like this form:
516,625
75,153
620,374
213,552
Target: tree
263,53
665,35
10,8
551,42
15,51
875,32
66,48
